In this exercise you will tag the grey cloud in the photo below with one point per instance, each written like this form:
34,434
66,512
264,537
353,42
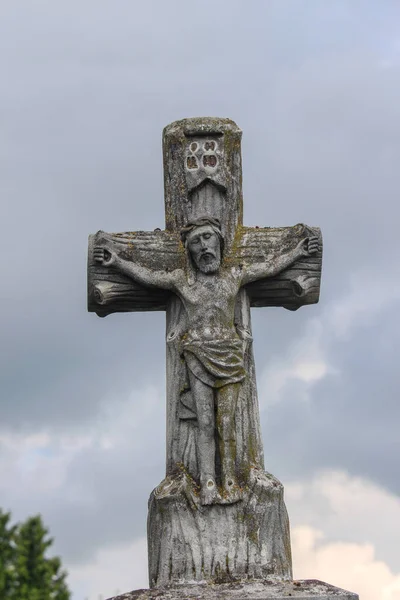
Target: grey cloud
90,85
350,418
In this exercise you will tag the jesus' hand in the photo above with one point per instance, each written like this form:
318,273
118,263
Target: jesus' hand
308,246
104,256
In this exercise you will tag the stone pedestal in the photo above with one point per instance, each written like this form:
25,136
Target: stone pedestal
188,542
309,589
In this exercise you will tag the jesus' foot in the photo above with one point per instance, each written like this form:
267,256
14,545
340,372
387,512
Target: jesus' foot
209,492
231,491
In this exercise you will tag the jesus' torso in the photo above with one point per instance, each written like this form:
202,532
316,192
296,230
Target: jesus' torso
209,303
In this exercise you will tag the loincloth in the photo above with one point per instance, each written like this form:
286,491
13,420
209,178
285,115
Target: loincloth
215,362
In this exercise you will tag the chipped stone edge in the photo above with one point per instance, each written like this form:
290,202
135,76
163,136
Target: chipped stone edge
308,589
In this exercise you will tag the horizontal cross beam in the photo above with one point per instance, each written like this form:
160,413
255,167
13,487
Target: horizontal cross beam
110,292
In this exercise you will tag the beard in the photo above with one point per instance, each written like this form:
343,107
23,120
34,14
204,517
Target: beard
208,263
211,267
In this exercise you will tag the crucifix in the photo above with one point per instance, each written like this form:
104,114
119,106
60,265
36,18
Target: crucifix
217,515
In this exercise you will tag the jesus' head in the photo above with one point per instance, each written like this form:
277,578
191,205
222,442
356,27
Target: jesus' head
204,242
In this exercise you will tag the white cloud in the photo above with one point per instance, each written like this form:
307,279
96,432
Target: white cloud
348,565
345,531
371,292
122,418
114,570
36,462
304,362
61,475
310,371
40,462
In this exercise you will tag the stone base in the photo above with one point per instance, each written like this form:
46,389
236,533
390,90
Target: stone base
308,589
221,543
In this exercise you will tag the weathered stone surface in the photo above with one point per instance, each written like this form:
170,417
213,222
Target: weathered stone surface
217,515
303,589
246,540
155,270
198,188
110,291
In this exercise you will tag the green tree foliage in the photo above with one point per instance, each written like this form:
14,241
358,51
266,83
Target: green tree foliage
26,571
7,555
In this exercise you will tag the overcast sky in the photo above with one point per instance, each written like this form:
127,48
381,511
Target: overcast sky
86,88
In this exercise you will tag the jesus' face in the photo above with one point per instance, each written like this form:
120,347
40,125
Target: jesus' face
204,246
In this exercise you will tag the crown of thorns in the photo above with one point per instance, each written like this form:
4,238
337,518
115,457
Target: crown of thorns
200,222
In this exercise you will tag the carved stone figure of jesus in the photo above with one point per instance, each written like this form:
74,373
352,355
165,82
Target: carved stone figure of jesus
211,346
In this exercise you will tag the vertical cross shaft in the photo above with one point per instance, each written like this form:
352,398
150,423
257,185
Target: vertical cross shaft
137,271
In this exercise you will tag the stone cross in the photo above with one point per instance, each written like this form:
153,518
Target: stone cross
217,515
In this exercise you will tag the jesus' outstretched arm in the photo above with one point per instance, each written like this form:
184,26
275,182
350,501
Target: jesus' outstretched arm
305,247
143,275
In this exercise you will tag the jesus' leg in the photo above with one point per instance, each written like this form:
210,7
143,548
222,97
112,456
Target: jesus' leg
227,397
204,400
